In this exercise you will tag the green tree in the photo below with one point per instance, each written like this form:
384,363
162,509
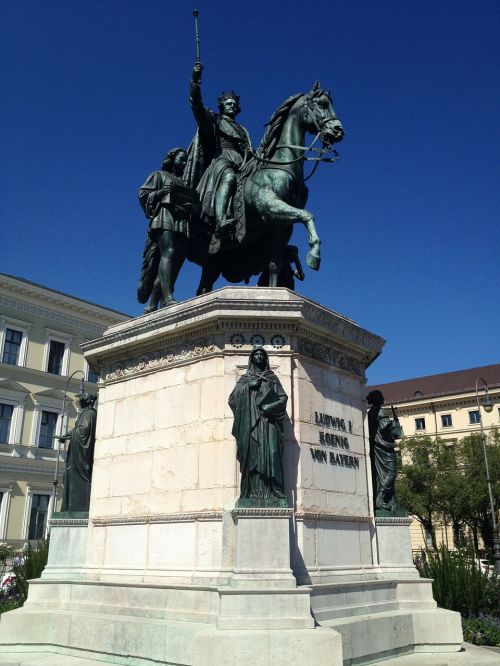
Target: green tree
470,458
441,482
418,483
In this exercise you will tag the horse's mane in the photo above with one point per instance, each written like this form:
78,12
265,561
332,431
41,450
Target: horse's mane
270,139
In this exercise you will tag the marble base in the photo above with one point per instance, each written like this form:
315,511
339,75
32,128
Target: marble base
68,545
172,569
394,546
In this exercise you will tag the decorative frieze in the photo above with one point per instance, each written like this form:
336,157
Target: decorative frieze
249,339
331,517
262,512
105,521
159,358
68,522
393,520
326,354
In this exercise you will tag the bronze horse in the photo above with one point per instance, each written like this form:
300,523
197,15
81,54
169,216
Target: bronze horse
271,195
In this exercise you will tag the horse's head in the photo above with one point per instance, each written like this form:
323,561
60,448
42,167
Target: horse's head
320,117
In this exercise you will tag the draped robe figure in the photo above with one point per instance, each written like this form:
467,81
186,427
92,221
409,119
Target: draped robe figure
258,402
383,431
80,457
216,154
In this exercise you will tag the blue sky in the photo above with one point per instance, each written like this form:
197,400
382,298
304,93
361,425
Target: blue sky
94,94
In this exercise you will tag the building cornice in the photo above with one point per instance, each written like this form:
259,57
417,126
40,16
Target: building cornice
25,297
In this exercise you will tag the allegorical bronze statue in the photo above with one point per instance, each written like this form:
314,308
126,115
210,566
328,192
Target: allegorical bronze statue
258,402
172,209
80,457
222,146
383,431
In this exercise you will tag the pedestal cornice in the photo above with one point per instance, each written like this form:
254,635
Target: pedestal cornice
233,319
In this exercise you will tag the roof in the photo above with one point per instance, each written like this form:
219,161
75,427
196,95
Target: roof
446,383
62,293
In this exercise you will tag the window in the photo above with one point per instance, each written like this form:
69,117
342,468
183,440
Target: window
428,539
56,356
13,340
420,424
6,412
474,417
12,397
12,346
48,419
47,430
38,516
446,421
92,377
5,494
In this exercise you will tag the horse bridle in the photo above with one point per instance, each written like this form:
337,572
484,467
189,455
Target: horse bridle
323,152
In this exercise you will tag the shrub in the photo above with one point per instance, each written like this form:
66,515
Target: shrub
482,630
459,584
10,604
5,554
32,564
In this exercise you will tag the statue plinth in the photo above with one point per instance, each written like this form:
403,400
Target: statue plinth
167,537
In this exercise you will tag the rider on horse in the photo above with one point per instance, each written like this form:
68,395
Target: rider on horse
220,147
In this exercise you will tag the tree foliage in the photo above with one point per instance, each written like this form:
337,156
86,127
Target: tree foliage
443,483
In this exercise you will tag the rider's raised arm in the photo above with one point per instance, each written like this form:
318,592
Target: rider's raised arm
202,115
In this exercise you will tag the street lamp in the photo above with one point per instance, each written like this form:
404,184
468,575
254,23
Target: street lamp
58,450
488,407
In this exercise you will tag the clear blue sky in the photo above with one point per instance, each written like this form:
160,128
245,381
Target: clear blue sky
94,93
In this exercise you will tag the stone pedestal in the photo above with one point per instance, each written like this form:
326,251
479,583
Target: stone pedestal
174,571
394,546
68,545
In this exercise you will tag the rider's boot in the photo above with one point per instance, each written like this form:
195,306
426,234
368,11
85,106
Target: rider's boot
224,226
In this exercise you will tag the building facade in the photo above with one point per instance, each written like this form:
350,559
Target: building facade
445,406
41,372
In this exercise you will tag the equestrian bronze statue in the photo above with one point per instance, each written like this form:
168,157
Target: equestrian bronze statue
250,200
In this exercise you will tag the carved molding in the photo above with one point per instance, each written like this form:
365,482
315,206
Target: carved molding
68,522
104,521
396,520
340,325
248,339
262,512
160,358
331,356
331,517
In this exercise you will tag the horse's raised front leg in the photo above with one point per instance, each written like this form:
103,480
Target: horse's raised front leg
274,209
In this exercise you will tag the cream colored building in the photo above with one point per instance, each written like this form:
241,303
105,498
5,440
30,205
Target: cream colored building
41,368
444,406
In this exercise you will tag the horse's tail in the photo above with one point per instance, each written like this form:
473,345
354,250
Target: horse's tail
150,262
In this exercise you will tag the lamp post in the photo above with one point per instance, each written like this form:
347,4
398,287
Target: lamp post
488,407
58,450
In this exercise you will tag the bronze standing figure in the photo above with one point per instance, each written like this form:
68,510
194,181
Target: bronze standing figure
383,431
80,457
258,402
172,209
